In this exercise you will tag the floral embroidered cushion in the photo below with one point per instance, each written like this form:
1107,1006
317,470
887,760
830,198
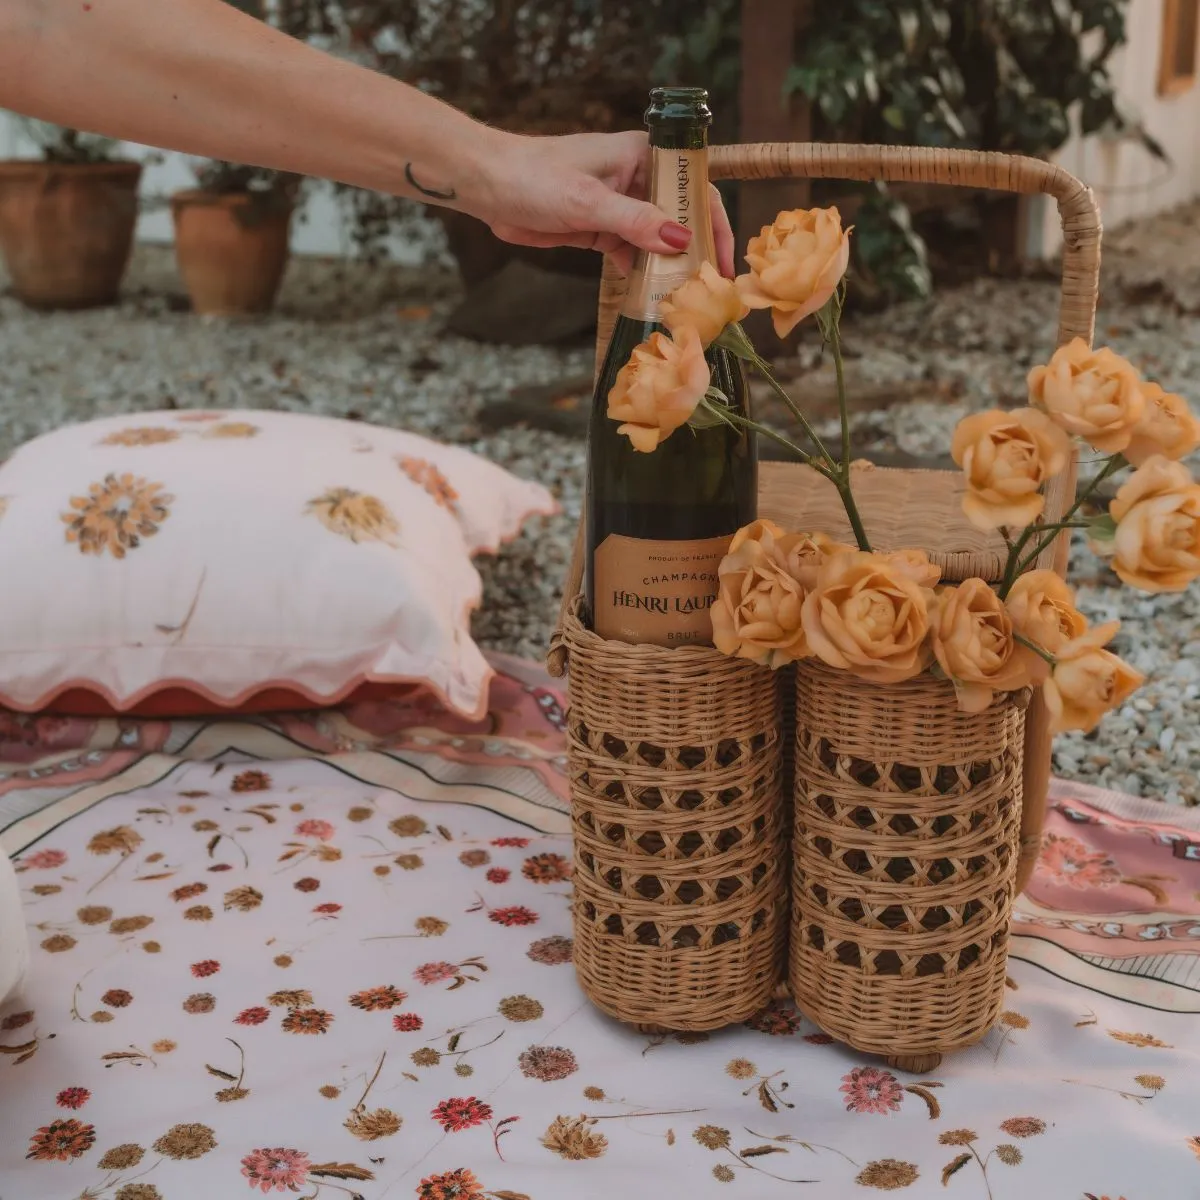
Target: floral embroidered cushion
181,563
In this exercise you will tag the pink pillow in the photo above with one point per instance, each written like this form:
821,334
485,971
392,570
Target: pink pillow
177,563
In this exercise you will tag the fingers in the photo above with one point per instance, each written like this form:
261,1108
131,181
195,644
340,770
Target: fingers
517,236
620,160
611,244
722,232
637,222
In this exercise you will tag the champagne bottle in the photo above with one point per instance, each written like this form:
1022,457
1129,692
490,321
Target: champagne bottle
658,524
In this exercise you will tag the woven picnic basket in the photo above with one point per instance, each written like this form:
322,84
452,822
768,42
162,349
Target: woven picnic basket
934,785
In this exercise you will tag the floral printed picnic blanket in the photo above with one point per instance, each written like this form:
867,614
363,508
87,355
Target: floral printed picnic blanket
329,955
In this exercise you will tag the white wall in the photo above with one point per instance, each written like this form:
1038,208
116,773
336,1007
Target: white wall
1129,183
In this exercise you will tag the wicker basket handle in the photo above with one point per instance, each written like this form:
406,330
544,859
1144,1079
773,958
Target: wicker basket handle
960,168
1077,210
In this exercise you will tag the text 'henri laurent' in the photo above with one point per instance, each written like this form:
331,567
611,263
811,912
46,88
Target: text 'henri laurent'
663,604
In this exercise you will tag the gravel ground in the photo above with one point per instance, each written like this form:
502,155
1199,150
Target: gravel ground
350,341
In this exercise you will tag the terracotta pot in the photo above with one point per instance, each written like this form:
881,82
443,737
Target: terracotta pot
232,250
66,230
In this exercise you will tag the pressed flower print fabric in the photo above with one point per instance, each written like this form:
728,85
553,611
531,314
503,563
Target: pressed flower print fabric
192,562
330,956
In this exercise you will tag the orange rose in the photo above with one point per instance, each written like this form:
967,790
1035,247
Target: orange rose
1088,681
805,553
1095,394
867,617
796,264
1156,546
756,614
1007,457
799,554
658,389
706,303
1168,427
763,531
974,644
1042,608
916,565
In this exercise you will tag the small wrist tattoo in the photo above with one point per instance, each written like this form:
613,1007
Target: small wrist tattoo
433,193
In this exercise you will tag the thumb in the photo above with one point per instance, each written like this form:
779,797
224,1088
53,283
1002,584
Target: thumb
637,222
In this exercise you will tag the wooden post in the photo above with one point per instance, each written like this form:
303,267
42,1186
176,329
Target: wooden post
770,35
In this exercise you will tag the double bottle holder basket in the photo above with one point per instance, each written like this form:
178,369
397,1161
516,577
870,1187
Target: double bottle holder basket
742,833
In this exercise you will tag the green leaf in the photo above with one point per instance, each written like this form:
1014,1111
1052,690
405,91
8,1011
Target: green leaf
1102,531
733,338
953,123
706,417
801,79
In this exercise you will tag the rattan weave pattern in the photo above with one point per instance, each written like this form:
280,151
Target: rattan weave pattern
907,817
680,881
900,507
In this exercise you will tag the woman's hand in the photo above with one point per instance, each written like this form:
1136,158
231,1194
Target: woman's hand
588,190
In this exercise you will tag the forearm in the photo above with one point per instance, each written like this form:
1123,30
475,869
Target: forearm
200,77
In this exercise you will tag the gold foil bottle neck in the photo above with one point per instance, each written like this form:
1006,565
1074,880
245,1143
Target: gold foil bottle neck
679,186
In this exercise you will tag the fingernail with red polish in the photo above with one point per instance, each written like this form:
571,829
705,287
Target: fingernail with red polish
676,236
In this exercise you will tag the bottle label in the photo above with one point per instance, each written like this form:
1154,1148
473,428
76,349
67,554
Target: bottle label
656,592
679,186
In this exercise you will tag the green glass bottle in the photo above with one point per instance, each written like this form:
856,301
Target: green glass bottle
658,524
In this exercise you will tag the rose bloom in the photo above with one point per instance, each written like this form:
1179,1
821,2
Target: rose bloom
706,303
1087,681
757,611
974,644
658,389
915,564
799,554
1168,427
1093,393
1042,607
796,264
802,555
867,617
1156,546
1007,457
